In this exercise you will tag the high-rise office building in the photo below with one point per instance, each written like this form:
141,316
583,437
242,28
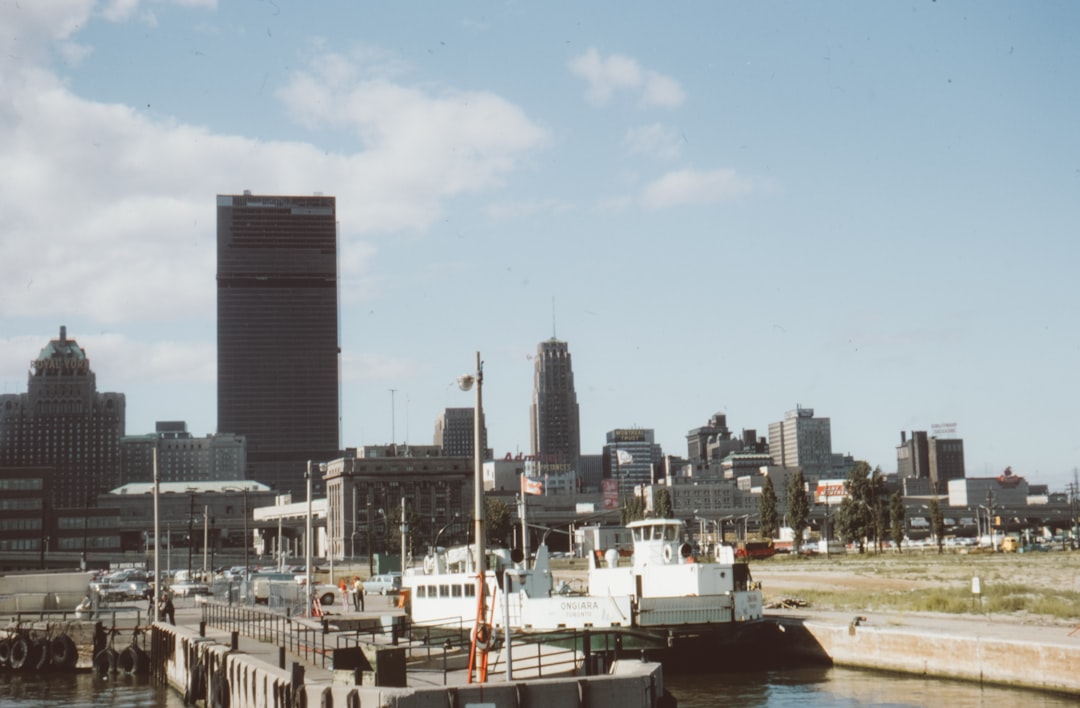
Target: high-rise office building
932,458
278,346
801,440
181,457
555,430
454,432
632,458
63,422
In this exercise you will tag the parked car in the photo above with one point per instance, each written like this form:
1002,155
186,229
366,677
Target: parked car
189,589
383,584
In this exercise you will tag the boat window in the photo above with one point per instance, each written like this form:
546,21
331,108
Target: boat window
470,590
669,533
658,533
456,590
421,591
444,591
636,534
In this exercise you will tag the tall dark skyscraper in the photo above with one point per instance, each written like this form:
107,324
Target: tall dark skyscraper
553,418
63,422
278,346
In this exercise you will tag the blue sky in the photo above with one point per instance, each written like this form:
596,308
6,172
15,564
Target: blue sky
870,209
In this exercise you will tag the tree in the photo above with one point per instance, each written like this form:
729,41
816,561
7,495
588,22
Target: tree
879,508
767,512
896,517
498,523
798,508
633,509
662,502
937,524
854,520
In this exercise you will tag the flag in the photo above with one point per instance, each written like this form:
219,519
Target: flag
623,457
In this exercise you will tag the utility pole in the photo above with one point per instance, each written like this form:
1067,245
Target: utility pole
1075,509
190,534
393,420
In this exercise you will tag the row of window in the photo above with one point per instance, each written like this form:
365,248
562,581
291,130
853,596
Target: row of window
32,503
446,590
13,484
20,524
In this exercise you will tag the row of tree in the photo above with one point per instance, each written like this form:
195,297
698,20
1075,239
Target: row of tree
868,514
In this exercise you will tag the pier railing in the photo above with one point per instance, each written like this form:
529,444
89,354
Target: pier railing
302,638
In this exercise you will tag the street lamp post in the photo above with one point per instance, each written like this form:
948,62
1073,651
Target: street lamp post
466,382
157,545
307,540
247,539
451,522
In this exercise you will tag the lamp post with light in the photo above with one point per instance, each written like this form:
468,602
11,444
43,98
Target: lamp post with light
465,383
307,587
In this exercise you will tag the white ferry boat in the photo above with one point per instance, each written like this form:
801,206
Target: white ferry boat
663,587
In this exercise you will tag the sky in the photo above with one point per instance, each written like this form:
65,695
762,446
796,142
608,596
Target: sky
868,209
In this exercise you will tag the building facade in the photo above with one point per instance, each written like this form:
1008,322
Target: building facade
454,432
63,422
938,460
803,441
632,458
555,429
181,457
278,343
364,495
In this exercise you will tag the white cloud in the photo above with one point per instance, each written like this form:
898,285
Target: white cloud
108,212
655,140
617,72
424,145
689,186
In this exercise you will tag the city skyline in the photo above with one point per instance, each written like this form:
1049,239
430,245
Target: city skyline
865,209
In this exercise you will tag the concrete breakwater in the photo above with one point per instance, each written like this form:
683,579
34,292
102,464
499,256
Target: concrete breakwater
999,652
214,673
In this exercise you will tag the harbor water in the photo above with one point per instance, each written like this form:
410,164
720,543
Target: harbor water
805,688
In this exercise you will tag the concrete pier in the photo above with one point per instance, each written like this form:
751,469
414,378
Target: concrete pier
214,667
978,648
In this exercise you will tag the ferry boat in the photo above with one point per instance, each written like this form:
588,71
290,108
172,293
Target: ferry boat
663,588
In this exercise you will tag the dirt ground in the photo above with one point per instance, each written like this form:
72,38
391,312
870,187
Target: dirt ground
1055,572
913,570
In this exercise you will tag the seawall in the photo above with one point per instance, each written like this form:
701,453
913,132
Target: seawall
1007,653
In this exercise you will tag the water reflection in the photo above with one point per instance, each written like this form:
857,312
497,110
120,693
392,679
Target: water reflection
83,690
824,687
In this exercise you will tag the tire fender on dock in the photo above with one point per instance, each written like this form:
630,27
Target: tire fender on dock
19,653
64,652
105,661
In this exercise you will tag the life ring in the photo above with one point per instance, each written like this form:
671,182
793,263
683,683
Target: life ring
667,554
105,661
482,636
20,651
5,652
64,652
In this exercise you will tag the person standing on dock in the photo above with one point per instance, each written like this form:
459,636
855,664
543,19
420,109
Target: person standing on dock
168,610
358,594
344,596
